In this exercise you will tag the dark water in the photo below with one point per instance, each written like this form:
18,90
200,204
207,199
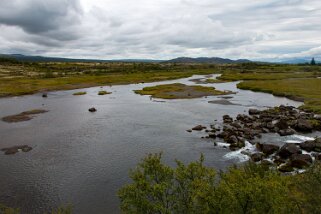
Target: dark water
83,158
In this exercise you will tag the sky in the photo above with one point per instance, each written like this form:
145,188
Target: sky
271,30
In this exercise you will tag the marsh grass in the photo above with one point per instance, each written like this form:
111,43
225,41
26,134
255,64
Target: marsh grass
179,91
103,92
79,93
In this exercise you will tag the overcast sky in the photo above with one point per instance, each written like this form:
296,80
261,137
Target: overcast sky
162,29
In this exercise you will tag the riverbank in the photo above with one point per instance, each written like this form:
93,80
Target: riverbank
306,89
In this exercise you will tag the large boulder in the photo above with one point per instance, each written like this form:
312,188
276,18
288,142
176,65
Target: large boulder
304,125
301,160
267,149
288,150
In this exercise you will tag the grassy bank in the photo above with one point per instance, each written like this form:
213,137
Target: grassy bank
307,89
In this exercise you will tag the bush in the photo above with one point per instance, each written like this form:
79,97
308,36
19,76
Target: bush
195,188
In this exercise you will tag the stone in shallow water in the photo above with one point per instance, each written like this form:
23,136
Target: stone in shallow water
13,150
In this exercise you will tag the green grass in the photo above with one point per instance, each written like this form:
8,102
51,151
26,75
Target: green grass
179,91
79,93
267,76
103,92
308,89
28,85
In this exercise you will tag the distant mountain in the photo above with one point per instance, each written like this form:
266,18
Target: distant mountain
298,61
25,58
209,60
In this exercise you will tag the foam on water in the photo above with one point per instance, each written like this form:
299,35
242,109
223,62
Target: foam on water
302,138
239,154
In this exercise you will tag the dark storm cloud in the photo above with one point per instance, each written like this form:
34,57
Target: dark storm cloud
40,16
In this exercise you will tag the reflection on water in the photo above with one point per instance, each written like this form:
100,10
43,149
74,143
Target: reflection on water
83,158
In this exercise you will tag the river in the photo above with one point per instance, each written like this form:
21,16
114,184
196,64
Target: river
83,158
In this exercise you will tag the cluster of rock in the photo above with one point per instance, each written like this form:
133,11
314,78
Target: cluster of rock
13,150
290,155
284,120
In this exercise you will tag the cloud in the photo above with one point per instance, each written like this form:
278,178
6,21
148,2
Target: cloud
269,29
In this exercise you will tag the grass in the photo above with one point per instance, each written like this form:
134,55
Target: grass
27,78
179,91
103,92
307,89
79,93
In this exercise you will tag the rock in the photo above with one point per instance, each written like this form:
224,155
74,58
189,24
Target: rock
288,150
13,150
256,157
286,132
189,130
308,146
311,145
254,111
285,168
198,128
212,135
282,124
44,95
304,126
227,119
92,109
270,125
232,140
300,160
267,149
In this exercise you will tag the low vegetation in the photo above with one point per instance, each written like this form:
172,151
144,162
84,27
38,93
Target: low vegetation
196,188
103,92
179,91
79,93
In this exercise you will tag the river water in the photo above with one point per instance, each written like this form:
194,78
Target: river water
83,158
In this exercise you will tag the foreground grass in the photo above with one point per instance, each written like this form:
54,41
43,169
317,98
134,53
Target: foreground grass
179,91
195,188
307,89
